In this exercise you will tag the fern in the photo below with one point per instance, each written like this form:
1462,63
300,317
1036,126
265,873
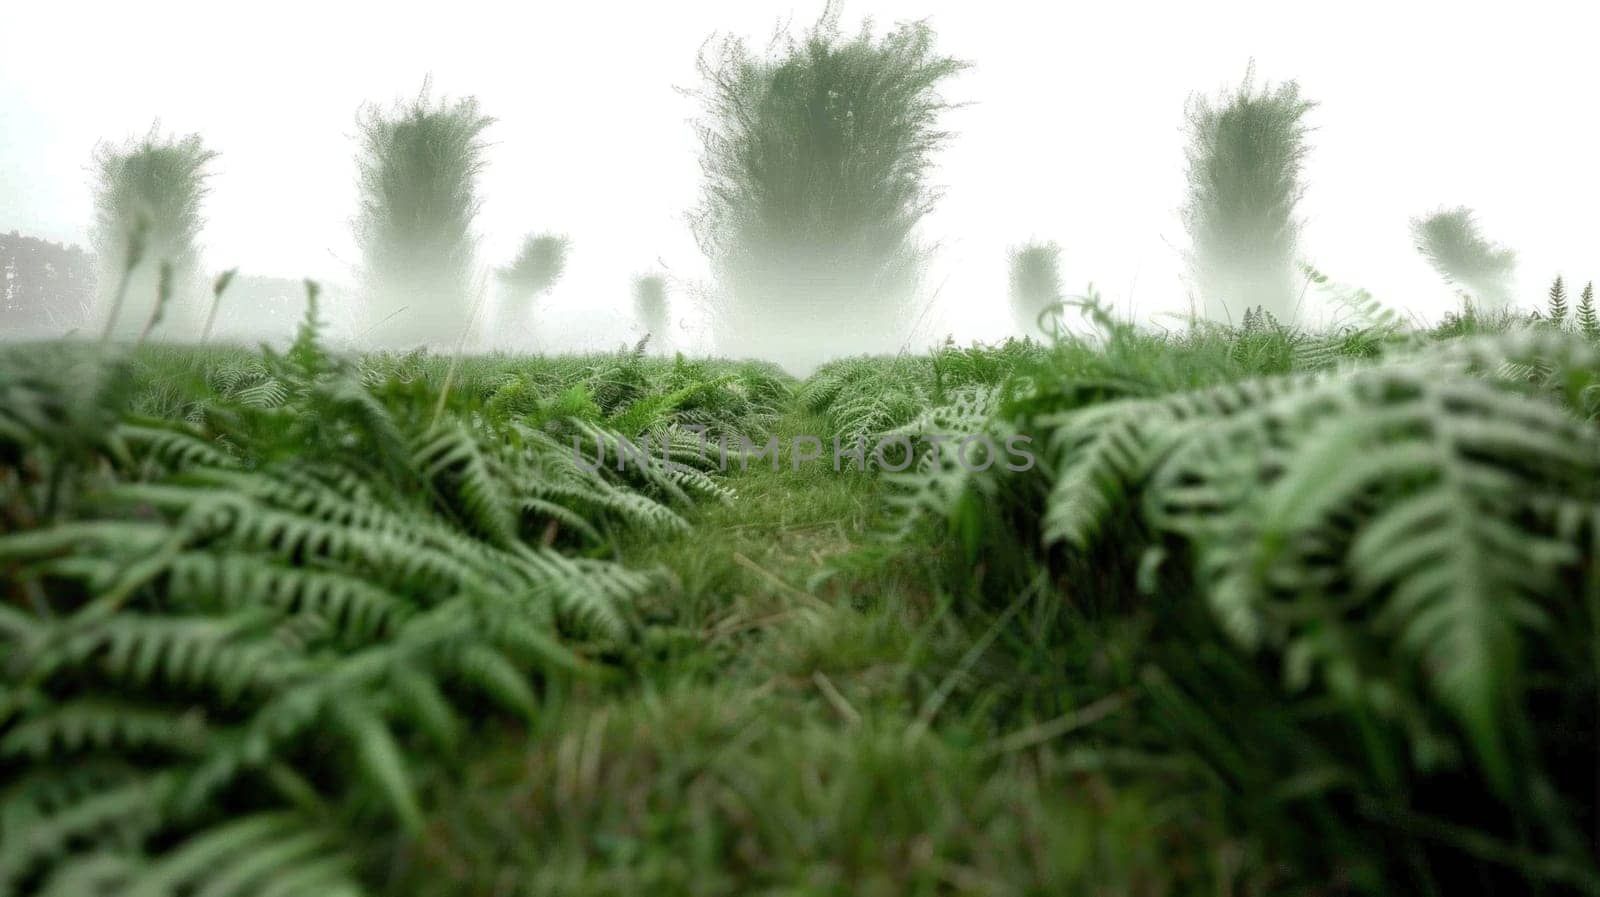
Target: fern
263,614
937,483
1587,320
464,474
1401,538
1557,306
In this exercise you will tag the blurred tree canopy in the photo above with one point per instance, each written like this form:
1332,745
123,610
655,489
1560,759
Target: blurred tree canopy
815,159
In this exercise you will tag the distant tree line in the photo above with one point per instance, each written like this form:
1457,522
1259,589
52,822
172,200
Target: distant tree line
48,289
816,162
45,288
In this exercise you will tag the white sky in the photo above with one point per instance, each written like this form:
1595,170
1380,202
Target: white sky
1073,133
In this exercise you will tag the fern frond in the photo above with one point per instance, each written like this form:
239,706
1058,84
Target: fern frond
100,725
264,853
174,448
380,760
458,467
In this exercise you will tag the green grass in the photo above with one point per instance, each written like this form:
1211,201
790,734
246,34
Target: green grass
786,730
1170,659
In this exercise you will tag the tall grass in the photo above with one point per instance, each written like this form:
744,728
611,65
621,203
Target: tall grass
1453,244
418,169
1246,150
148,197
815,157
218,287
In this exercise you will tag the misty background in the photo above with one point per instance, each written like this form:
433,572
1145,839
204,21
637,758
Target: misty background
1072,132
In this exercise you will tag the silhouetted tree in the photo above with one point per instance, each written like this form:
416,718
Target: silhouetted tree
1035,282
1246,150
1451,242
650,305
537,267
419,163
149,192
815,158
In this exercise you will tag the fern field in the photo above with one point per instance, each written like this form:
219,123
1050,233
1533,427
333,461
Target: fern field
1271,612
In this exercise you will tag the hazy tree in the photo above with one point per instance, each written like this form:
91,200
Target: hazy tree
419,163
1035,282
650,305
1449,239
1558,302
148,194
537,267
1246,149
1588,321
815,157
45,288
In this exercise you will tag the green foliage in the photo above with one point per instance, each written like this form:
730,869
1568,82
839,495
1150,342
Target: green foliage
1273,612
1035,283
1378,550
815,158
538,265
1246,150
1452,243
241,638
650,304
1268,611
1397,538
148,195
805,803
1557,306
418,166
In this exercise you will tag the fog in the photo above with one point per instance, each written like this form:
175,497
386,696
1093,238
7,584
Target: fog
1070,132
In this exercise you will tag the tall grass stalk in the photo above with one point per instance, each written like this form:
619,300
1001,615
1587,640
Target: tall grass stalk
163,296
133,254
481,294
219,287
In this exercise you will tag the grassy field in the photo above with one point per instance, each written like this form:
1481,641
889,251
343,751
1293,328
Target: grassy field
1273,612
